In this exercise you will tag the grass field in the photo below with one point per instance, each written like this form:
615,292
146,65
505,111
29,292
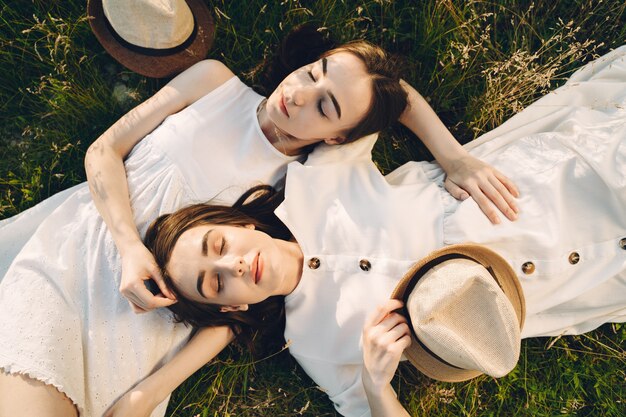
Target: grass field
477,62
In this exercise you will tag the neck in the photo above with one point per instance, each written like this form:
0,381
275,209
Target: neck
293,266
282,141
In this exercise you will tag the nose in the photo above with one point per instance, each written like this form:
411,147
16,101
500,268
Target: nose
234,265
302,95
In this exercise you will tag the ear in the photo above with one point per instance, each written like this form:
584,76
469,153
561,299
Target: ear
230,309
334,141
250,226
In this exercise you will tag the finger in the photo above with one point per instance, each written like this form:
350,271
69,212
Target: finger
394,334
485,204
508,183
140,298
158,278
454,190
391,321
134,302
136,309
148,301
505,200
497,198
381,312
404,342
160,301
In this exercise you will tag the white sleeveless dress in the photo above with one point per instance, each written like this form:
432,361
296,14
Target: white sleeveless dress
62,318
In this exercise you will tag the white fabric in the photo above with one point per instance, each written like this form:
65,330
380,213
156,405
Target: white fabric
62,318
567,155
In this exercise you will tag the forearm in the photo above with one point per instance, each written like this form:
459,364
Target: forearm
106,176
202,348
422,120
104,165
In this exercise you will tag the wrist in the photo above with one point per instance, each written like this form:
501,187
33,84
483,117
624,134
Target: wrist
373,386
153,391
128,244
450,157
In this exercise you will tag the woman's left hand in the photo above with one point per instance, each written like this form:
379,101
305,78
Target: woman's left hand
470,177
385,336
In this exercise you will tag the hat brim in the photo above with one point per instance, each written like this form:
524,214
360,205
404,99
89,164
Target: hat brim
506,278
156,65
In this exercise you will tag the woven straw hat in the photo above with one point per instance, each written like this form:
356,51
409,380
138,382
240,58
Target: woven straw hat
155,38
466,309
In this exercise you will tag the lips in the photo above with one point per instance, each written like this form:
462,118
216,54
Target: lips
256,268
259,269
283,105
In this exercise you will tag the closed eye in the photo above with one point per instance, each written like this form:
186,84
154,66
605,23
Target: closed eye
222,246
320,109
219,283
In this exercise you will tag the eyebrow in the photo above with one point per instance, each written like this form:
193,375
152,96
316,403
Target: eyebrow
331,95
205,251
205,242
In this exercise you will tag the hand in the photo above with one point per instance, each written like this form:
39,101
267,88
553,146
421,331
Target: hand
134,403
469,176
385,336
139,265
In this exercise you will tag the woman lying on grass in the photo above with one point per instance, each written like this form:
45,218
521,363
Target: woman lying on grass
203,134
338,244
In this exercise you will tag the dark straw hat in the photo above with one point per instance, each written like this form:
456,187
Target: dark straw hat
153,38
465,309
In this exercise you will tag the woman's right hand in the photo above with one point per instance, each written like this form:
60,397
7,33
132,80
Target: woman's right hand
385,336
138,265
135,403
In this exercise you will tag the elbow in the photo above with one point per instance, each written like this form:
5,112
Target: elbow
94,150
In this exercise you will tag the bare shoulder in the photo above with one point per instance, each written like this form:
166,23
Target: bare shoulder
213,72
200,79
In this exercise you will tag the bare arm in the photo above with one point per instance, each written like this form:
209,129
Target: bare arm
465,175
141,400
385,336
104,165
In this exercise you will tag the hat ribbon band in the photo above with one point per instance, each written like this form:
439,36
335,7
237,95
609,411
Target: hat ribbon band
153,51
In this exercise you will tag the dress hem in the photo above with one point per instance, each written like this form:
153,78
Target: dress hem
11,367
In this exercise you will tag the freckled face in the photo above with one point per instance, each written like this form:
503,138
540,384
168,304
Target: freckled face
226,265
322,100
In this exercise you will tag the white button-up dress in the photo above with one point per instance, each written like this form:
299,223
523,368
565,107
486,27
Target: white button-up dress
360,231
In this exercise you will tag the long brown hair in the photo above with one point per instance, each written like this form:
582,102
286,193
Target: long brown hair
306,44
256,206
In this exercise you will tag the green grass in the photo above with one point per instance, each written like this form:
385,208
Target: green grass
477,62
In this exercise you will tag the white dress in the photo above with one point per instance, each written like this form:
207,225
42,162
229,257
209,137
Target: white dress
360,231
62,318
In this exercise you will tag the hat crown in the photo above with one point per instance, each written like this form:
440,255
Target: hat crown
156,24
459,312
